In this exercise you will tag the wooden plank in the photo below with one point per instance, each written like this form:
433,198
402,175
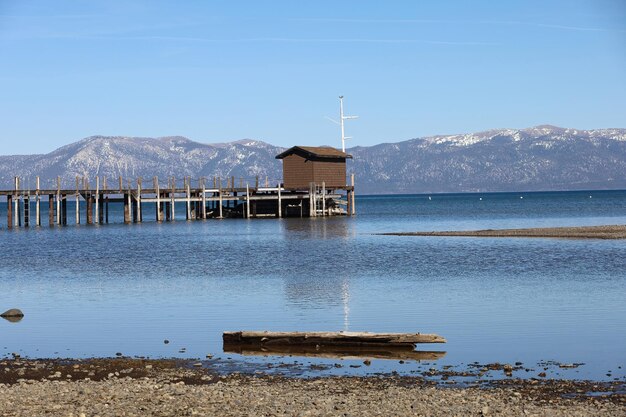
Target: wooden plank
265,338
337,352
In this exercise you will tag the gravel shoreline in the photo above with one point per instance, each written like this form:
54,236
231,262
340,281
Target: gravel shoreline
581,232
137,387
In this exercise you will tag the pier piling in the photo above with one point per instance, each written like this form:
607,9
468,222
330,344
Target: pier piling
97,197
9,211
51,210
37,205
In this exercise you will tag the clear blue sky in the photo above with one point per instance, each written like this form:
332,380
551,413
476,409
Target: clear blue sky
271,70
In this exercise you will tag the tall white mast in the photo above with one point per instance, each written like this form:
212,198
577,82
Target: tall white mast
342,118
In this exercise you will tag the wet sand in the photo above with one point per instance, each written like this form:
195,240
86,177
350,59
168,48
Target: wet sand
133,387
582,232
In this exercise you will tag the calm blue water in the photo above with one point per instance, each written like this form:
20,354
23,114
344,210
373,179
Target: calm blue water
98,290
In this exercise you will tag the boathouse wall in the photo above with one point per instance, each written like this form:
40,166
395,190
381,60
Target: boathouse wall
305,165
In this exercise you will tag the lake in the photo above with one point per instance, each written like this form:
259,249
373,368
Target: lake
99,290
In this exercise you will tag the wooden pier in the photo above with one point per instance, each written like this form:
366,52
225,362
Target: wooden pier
207,198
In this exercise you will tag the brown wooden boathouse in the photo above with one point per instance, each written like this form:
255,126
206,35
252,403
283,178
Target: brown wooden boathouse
303,165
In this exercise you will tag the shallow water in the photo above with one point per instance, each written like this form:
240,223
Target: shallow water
99,290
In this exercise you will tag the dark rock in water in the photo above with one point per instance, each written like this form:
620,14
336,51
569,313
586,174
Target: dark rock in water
14,312
13,315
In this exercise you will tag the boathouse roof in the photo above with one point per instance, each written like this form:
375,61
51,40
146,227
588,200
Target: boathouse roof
315,152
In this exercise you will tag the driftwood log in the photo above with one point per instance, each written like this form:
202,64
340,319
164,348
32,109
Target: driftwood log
253,338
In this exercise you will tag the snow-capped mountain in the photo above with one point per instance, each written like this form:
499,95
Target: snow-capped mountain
537,158
132,157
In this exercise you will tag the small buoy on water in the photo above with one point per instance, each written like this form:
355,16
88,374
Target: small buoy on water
481,199
429,197
521,197
589,196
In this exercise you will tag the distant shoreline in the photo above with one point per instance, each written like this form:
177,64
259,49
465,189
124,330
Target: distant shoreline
579,232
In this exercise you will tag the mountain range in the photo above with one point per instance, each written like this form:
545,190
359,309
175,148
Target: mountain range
533,159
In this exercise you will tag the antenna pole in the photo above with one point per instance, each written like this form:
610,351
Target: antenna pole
342,118
343,134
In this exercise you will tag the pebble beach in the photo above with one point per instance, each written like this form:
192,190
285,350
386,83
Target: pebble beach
134,387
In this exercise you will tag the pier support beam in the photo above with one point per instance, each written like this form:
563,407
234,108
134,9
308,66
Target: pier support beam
16,203
38,206
159,209
173,200
97,197
133,205
9,212
312,200
101,211
77,200
127,207
58,210
64,209
51,210
352,208
188,194
138,215
26,199
323,198
203,198
220,197
89,199
247,201
280,203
